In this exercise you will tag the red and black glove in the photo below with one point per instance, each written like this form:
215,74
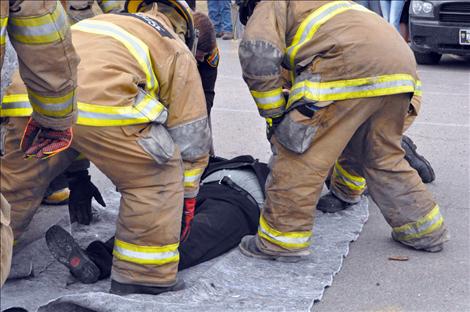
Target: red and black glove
188,216
42,143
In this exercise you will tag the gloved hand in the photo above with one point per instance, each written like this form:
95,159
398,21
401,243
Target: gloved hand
271,125
188,216
42,143
82,191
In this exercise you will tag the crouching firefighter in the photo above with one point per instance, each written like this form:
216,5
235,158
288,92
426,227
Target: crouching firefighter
142,121
343,98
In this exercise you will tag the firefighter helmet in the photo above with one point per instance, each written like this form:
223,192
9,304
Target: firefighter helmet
181,8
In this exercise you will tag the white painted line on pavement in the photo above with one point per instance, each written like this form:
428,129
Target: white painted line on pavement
234,110
445,93
441,124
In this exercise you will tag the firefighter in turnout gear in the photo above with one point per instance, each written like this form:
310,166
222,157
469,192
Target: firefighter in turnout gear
142,121
344,100
39,32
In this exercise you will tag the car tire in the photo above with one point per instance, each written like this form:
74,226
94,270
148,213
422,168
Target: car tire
429,58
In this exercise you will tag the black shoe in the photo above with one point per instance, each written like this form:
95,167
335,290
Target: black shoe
416,161
330,203
66,250
122,289
15,309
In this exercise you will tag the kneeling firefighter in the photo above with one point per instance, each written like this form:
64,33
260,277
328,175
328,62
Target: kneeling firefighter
344,97
142,121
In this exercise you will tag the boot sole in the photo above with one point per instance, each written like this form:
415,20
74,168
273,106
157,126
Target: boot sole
64,248
129,289
412,147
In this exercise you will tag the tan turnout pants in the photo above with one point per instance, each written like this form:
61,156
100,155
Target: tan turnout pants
6,241
369,131
346,181
149,221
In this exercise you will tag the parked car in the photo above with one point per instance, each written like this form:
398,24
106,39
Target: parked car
438,27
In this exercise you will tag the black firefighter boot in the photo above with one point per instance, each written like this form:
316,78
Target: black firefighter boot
331,204
416,161
66,250
122,289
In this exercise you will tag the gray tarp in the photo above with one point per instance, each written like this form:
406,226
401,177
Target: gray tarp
231,282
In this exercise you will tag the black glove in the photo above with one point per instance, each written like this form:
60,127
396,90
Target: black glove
82,191
271,125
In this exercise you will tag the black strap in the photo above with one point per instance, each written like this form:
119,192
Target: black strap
306,110
152,23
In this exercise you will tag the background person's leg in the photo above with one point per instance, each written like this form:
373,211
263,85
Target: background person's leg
214,15
385,8
226,18
396,8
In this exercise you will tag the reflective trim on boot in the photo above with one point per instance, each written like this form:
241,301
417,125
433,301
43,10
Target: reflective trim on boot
66,250
330,203
249,248
417,161
122,289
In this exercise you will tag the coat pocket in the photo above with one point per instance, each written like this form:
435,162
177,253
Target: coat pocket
158,143
296,132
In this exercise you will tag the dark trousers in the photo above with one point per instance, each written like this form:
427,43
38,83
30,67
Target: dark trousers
222,218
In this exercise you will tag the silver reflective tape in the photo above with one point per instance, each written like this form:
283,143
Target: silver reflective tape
286,240
13,105
339,90
52,107
42,30
145,255
268,100
421,228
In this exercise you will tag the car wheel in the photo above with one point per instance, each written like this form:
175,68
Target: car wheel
429,58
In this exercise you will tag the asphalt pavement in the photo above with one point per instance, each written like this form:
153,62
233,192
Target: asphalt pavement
369,281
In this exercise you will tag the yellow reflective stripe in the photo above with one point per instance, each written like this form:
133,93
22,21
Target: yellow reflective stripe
15,105
353,88
44,29
191,177
357,183
312,23
151,255
3,30
294,240
136,47
418,89
146,110
52,106
109,5
266,100
425,225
